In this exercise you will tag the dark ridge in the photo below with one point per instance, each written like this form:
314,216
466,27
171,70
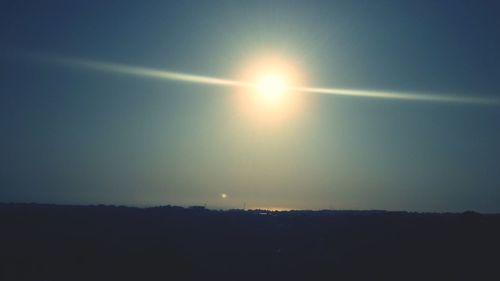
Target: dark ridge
98,242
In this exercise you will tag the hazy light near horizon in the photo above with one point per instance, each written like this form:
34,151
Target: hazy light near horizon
271,86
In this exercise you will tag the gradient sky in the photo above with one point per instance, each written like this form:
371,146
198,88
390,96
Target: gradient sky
76,135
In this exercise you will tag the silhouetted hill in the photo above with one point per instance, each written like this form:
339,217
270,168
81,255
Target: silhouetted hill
50,242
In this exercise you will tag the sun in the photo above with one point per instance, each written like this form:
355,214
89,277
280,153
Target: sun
271,86
270,96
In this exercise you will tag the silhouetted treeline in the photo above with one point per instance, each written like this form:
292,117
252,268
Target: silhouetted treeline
49,242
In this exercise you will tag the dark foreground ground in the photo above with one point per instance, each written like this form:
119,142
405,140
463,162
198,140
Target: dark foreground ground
42,242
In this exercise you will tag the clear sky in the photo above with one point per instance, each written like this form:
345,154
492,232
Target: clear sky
80,135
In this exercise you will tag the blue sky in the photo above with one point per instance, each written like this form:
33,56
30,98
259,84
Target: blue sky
76,135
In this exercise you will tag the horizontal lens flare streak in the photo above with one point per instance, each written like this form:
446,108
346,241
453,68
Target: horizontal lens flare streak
399,96
150,72
184,77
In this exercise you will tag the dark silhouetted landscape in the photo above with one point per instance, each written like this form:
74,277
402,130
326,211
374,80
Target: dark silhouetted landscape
52,242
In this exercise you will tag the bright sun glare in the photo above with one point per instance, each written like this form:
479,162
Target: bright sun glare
270,98
271,86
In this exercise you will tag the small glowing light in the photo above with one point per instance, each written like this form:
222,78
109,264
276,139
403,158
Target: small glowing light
223,195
